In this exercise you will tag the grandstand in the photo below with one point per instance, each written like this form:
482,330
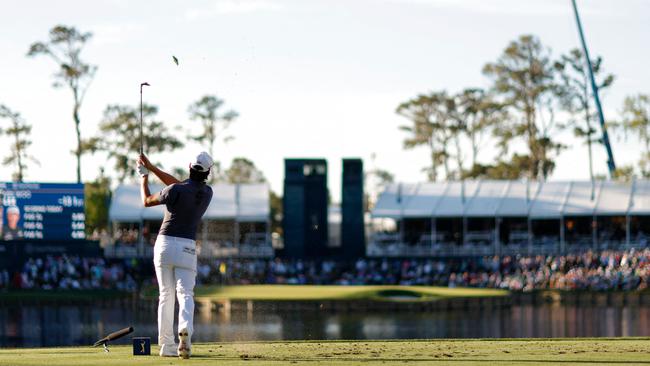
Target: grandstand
489,217
236,224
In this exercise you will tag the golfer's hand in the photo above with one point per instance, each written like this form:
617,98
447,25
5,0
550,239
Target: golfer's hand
141,169
145,161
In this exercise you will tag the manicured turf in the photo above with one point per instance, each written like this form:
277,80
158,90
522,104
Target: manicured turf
311,292
271,292
628,351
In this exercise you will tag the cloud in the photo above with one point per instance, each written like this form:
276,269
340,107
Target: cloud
230,7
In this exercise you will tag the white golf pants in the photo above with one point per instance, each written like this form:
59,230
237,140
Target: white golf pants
175,262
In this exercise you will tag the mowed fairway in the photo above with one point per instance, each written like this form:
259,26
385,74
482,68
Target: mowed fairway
592,351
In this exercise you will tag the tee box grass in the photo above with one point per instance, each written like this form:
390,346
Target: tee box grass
574,351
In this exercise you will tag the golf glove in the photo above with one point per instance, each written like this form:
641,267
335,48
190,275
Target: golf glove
142,170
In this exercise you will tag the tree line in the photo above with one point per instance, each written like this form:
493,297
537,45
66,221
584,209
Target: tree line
118,135
532,99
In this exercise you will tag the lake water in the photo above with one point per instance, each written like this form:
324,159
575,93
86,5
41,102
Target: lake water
67,325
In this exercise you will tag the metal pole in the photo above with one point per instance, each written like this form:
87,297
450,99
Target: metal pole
595,244
627,231
434,234
601,118
562,234
497,235
401,215
529,227
236,224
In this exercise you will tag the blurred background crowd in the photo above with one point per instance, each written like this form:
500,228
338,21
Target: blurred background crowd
75,273
596,271
607,270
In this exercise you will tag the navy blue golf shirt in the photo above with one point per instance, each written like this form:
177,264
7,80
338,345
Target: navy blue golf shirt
185,204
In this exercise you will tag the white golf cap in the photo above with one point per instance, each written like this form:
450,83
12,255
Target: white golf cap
202,163
13,210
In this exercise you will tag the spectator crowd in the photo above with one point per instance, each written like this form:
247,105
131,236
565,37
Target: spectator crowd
603,271
75,273
595,271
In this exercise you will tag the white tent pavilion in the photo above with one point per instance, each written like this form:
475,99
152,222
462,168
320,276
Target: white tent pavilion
237,222
482,217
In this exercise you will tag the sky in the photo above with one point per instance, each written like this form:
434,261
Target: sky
315,79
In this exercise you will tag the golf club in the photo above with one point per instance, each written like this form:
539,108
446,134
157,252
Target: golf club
113,336
141,137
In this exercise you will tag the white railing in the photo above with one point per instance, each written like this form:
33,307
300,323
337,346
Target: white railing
406,250
255,246
476,244
486,237
256,238
128,251
518,238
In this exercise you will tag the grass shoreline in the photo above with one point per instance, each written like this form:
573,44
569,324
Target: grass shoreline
629,351
300,293
344,293
269,293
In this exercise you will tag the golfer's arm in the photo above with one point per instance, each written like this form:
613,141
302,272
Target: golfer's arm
148,199
166,178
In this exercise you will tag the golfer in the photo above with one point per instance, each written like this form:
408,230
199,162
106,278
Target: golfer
12,231
175,249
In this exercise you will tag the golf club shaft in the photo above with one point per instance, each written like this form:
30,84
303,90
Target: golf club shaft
141,134
115,335
141,137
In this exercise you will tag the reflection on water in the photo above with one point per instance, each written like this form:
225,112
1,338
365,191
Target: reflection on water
59,325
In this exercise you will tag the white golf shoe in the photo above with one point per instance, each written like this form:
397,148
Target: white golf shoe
168,350
184,348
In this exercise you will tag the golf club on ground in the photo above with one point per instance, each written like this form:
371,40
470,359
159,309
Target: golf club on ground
112,337
141,137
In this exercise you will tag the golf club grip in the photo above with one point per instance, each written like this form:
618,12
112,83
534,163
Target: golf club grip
119,334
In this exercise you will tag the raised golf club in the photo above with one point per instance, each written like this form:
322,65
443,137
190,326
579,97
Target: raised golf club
141,135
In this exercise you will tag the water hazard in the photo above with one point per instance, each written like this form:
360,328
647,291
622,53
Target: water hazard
66,325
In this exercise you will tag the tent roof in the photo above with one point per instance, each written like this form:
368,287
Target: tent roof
549,201
427,197
453,203
223,204
538,200
614,198
579,200
126,204
487,198
253,204
518,198
640,200
394,200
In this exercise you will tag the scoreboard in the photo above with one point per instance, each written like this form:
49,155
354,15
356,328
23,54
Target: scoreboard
42,211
